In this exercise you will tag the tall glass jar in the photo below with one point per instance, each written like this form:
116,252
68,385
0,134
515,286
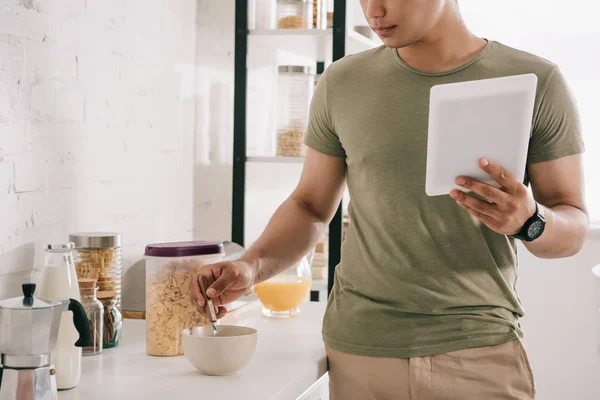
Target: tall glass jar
113,319
295,14
95,313
58,281
294,94
282,295
98,257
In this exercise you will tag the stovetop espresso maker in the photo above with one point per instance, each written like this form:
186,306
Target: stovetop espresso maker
28,332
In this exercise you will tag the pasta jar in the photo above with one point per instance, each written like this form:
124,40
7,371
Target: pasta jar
98,256
170,267
295,14
294,93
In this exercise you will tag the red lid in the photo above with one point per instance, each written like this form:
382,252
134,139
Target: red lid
183,249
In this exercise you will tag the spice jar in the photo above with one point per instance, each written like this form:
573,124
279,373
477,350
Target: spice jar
98,257
95,313
113,319
295,90
170,267
294,14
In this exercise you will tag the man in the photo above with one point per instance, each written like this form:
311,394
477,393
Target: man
424,304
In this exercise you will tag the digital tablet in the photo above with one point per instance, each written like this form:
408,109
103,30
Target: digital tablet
489,118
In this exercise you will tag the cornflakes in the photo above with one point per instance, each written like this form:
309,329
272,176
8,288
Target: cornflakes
169,309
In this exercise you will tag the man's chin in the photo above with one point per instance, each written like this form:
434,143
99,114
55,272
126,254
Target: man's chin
396,43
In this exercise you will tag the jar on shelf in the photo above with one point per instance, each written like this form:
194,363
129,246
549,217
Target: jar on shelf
294,14
95,313
320,14
170,267
282,295
329,13
113,319
262,14
294,94
98,257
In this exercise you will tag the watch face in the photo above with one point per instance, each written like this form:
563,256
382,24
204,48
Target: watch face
535,229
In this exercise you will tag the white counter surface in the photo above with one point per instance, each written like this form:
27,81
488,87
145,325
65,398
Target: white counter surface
289,359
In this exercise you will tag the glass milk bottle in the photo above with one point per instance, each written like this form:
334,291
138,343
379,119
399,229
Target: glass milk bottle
58,281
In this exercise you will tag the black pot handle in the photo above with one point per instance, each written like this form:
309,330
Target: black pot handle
28,291
82,324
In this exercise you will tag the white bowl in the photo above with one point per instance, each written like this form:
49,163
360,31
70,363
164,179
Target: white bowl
224,354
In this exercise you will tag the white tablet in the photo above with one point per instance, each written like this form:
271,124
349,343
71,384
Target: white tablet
488,118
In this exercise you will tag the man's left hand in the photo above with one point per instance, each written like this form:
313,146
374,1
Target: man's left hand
509,206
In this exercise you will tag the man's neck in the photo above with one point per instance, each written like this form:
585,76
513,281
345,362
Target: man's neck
448,45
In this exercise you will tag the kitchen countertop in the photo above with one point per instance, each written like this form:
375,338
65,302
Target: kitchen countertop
290,357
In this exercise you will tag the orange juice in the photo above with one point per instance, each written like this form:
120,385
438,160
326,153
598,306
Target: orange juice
283,293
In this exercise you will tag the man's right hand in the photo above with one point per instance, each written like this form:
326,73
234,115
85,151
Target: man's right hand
227,281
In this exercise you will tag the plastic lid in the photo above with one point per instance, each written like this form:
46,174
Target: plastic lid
184,249
27,301
95,240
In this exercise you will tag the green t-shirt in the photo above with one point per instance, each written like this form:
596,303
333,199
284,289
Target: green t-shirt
418,275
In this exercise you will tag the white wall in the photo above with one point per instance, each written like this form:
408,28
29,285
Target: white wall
97,121
562,322
214,119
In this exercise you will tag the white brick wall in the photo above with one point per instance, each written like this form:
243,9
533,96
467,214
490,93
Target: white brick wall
97,127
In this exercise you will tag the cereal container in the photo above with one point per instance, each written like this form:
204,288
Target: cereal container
170,267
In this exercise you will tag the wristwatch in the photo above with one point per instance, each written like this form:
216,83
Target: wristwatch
533,228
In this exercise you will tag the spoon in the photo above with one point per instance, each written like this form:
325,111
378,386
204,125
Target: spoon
209,304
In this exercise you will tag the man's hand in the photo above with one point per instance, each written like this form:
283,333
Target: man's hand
507,208
227,281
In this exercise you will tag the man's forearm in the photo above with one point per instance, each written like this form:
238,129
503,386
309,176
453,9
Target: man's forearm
291,233
564,235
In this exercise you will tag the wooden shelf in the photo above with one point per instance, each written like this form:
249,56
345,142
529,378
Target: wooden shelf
276,160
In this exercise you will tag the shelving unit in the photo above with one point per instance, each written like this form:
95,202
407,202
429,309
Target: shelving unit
309,43
322,46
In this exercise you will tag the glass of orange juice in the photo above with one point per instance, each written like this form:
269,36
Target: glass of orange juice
282,295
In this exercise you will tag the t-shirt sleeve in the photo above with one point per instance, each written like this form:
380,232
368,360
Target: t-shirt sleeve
557,126
321,135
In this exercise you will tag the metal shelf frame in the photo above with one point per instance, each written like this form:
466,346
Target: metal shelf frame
240,129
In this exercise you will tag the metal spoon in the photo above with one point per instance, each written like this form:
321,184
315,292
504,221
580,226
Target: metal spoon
208,304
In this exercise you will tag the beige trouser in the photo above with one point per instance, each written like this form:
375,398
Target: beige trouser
486,373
